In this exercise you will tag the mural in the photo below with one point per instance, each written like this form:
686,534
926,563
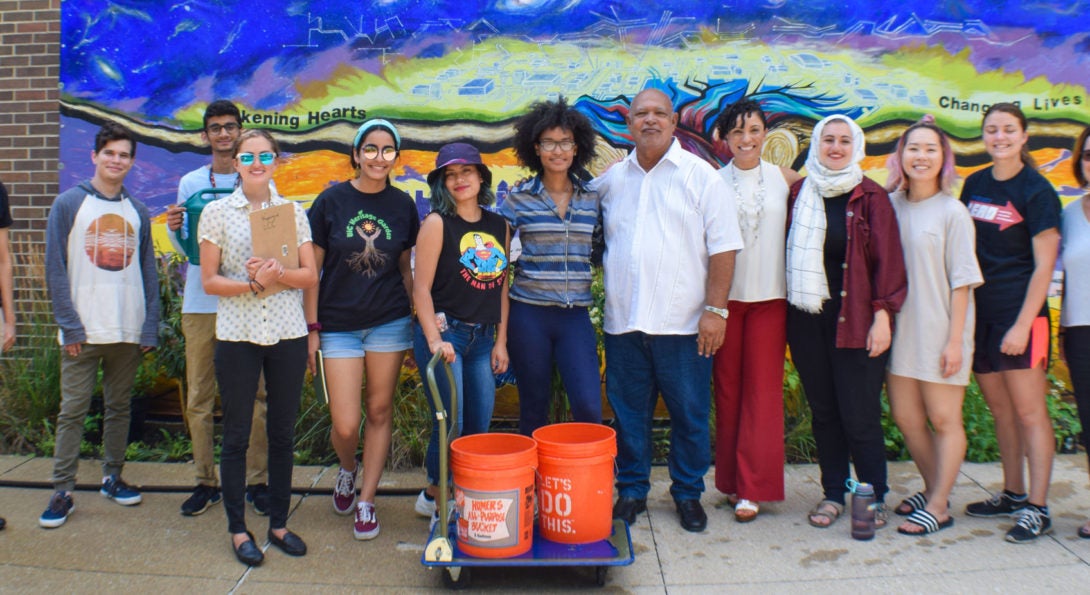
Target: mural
311,70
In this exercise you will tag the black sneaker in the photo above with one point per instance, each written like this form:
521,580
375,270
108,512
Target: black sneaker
258,497
1001,504
203,497
1030,523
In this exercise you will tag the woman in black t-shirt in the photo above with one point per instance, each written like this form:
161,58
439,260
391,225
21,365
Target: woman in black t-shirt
460,294
360,313
1016,212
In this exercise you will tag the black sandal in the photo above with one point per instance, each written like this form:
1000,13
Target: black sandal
927,521
911,504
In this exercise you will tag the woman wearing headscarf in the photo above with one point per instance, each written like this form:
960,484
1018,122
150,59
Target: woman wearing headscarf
845,282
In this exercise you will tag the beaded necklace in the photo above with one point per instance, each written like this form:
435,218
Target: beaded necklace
749,219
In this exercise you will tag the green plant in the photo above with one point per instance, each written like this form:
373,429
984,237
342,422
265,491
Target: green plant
30,385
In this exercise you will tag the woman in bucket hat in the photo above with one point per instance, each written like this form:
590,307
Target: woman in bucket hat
460,293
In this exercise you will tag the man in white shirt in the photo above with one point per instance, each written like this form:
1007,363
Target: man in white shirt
671,232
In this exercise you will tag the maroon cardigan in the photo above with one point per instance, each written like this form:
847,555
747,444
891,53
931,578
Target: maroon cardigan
874,268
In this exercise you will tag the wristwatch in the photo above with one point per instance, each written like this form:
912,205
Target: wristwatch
720,312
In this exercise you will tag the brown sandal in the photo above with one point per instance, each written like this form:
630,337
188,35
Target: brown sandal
828,510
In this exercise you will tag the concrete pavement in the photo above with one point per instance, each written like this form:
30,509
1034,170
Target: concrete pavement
152,548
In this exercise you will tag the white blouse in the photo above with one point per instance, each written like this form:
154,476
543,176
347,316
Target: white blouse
246,317
762,216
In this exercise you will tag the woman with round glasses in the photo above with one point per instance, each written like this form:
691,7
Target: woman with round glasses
555,216
1075,316
260,327
748,368
360,313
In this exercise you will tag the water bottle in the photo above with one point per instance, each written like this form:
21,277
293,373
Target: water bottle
863,510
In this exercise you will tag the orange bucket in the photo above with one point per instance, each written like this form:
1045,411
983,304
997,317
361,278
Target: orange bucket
494,493
575,481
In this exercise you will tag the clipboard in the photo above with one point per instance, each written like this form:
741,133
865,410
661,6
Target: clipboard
272,230
319,377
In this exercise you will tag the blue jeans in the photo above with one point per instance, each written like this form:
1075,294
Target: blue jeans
539,337
638,367
473,380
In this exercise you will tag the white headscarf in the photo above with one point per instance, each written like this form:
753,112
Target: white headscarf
807,287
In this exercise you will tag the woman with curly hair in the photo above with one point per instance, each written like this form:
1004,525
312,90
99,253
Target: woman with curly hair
556,217
748,368
933,345
364,230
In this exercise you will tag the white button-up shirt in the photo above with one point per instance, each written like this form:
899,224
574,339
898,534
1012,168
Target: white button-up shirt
246,317
661,226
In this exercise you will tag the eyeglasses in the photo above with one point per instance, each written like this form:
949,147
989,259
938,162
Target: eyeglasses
215,129
1086,155
266,158
551,145
373,151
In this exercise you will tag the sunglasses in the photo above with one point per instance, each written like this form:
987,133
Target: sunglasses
266,158
373,151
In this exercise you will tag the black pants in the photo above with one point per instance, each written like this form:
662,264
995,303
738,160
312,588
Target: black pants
1077,353
843,387
238,366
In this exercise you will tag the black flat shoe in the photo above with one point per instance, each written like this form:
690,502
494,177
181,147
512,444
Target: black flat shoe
248,553
627,508
291,544
692,515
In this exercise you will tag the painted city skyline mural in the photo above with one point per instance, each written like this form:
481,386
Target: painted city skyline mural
310,71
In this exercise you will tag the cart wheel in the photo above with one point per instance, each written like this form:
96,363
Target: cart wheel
600,573
457,577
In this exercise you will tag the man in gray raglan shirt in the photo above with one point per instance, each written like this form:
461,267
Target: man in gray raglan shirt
101,271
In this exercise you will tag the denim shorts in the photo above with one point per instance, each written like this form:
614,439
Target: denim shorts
389,337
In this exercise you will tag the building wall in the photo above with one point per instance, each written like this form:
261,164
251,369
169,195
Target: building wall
29,132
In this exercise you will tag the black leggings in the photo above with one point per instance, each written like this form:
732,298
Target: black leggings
1077,353
238,366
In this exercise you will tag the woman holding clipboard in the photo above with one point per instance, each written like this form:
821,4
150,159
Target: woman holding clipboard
259,327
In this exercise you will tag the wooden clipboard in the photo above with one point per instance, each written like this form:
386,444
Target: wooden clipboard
272,230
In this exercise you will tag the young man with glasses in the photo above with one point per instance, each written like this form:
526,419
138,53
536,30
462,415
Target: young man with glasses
101,271
222,127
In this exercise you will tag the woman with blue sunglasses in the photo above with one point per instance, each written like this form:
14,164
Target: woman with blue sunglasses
260,327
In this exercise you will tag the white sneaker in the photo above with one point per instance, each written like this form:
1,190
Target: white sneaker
425,506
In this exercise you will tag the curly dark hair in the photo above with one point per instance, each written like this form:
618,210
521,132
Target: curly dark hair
735,115
546,115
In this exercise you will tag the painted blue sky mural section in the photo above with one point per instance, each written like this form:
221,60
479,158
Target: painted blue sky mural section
154,58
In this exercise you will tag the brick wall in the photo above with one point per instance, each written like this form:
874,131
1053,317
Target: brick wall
29,133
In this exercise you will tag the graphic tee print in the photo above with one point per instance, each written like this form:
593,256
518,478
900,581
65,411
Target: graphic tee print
472,269
110,242
483,259
364,236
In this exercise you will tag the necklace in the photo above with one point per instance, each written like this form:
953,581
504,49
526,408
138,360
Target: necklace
749,215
